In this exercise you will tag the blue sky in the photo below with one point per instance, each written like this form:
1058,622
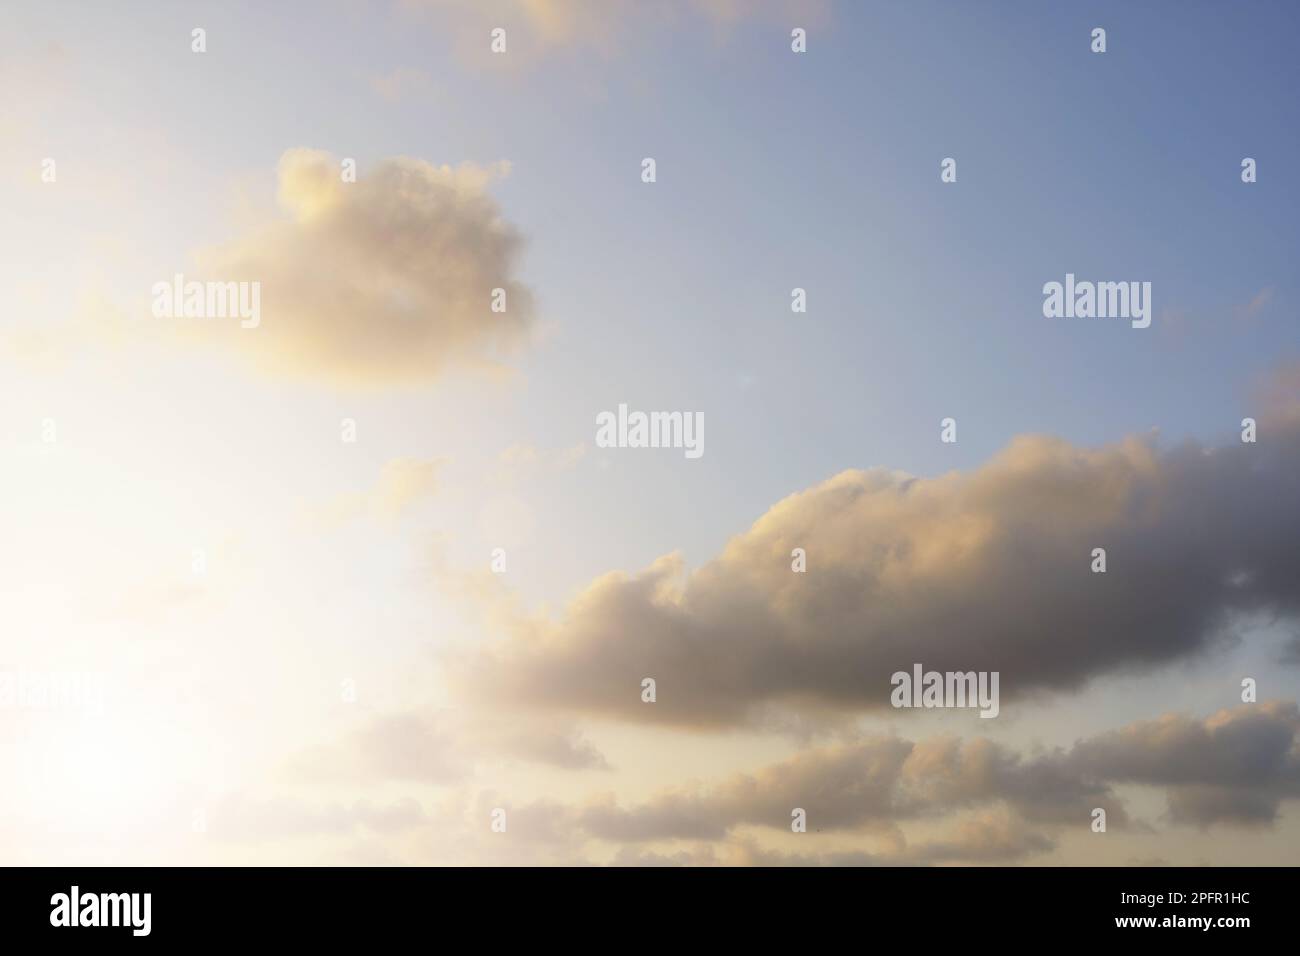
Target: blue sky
820,172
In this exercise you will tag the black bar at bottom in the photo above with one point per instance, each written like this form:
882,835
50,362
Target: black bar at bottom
448,908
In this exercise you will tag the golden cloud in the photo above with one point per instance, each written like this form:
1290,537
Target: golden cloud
386,280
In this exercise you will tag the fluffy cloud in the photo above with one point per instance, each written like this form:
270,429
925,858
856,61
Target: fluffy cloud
1235,767
987,571
386,280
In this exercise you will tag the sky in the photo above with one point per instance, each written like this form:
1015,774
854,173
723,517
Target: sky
338,587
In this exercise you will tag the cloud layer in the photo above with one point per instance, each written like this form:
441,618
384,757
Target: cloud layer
990,803
1235,767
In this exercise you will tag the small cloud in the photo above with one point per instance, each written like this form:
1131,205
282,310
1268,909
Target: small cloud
522,461
539,29
392,279
403,482
1255,306
399,83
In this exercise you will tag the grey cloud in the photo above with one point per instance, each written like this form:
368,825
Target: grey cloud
986,570
1235,767
875,781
